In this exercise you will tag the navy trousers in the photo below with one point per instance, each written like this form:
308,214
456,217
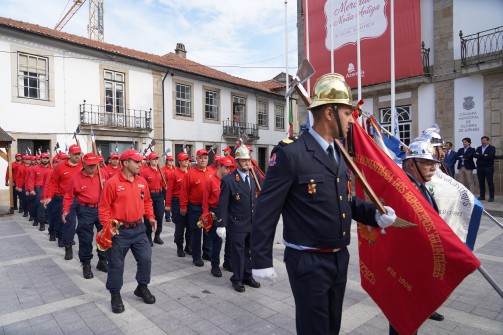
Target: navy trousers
216,243
318,282
486,173
194,212
68,229
240,255
136,240
182,226
158,206
56,212
87,219
41,217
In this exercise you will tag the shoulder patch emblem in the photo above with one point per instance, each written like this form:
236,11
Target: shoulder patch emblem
272,160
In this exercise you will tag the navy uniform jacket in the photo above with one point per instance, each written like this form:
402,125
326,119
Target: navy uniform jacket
319,220
236,203
450,161
486,159
468,162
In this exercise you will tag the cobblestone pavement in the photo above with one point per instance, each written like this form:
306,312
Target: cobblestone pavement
41,293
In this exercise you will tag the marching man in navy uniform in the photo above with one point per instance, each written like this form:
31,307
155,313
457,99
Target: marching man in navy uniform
237,202
307,182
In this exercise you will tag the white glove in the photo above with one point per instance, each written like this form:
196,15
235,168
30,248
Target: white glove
222,233
268,274
386,220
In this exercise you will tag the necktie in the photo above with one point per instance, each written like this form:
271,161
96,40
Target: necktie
247,181
426,194
331,157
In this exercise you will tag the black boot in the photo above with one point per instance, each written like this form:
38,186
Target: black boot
68,252
42,226
102,265
52,237
86,270
157,239
60,243
149,237
31,218
117,305
188,249
35,223
143,292
179,250
25,215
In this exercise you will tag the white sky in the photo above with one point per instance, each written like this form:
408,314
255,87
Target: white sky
245,38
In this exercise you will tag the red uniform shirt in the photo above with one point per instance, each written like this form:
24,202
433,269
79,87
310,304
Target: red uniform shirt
87,189
175,180
27,178
192,187
47,184
38,176
153,178
21,175
212,169
15,165
124,200
211,193
61,178
111,171
104,174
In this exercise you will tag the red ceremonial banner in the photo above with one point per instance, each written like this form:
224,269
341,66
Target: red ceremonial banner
375,40
412,268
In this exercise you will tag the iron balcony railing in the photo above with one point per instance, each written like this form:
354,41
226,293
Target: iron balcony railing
481,47
107,116
425,53
235,129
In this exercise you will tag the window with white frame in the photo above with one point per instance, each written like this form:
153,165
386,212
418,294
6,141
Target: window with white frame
115,91
402,117
279,116
238,111
33,76
211,105
263,114
183,100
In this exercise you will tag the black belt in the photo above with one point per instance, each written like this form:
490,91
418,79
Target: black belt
131,225
156,191
88,205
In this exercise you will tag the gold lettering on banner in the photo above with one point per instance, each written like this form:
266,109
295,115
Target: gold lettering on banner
367,274
401,280
439,261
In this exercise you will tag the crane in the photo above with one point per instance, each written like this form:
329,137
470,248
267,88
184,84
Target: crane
95,26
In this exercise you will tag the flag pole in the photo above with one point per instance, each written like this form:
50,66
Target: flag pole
392,35
306,13
358,53
331,39
287,102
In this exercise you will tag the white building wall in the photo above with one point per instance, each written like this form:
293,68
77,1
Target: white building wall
427,35
426,106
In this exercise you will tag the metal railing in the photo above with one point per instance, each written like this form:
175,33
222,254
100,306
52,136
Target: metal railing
233,128
481,47
106,116
425,53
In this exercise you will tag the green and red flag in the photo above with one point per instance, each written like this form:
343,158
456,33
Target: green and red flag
412,268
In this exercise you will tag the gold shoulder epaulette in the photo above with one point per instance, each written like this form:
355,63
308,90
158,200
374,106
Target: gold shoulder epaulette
289,140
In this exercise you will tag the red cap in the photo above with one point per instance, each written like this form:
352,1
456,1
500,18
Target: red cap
225,162
55,159
91,159
113,156
131,153
227,149
102,160
182,156
33,158
153,155
169,158
19,155
249,147
26,157
37,157
45,155
201,152
62,155
74,149
216,158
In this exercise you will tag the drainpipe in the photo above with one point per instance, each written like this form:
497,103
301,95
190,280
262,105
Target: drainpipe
163,115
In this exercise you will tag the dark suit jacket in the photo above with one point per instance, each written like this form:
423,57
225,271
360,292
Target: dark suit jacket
486,159
466,158
450,161
236,203
319,219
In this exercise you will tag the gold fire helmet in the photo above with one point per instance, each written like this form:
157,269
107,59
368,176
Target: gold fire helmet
331,88
242,153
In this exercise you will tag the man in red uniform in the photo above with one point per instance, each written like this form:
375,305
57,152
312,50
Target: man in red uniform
126,198
167,169
20,180
191,199
30,198
17,163
60,181
152,175
45,191
211,194
85,186
257,170
113,166
35,185
213,168
182,227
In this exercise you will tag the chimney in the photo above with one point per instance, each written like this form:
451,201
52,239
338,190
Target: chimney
180,50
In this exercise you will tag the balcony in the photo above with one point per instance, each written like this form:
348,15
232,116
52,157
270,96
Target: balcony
425,55
247,131
109,118
482,47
